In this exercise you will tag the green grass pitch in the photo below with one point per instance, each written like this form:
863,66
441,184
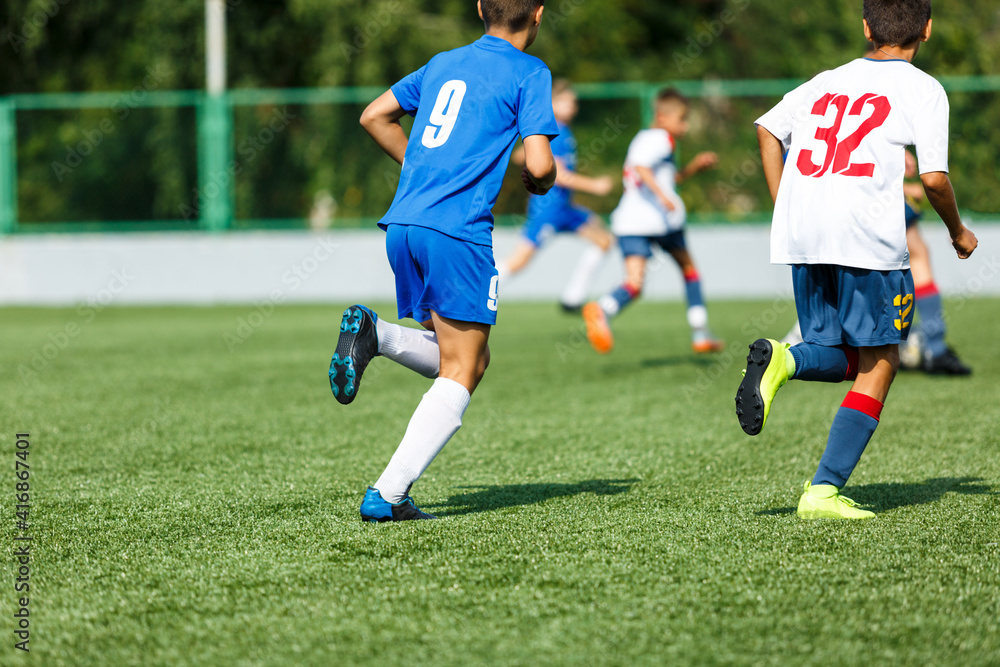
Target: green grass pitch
195,493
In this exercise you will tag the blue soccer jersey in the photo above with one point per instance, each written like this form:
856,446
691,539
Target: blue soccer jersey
558,198
470,105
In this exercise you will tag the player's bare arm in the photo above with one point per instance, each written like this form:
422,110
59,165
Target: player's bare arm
941,195
381,121
701,162
649,180
539,173
772,159
571,180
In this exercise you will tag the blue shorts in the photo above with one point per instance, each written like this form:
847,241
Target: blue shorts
554,220
912,215
643,245
859,307
434,271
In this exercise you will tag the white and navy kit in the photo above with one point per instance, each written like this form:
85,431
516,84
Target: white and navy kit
470,106
839,212
640,213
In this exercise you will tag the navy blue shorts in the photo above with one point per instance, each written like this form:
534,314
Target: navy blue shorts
643,245
554,220
859,307
434,271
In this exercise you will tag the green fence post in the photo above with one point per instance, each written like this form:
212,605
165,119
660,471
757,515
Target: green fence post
8,168
215,155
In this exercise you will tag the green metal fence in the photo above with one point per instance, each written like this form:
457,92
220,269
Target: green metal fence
213,207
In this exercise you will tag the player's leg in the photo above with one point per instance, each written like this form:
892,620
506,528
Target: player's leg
534,233
592,230
458,302
852,429
876,311
932,352
517,260
464,357
597,314
363,335
702,339
821,357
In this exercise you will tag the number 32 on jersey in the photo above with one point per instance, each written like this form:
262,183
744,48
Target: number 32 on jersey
837,157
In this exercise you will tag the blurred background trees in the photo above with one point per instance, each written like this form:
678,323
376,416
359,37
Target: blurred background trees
144,167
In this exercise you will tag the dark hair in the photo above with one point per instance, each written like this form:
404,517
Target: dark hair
513,15
896,22
668,97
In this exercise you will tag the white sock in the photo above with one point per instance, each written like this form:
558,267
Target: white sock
416,349
436,419
579,281
698,317
609,305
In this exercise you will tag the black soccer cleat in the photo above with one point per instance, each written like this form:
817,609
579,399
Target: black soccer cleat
375,509
356,347
946,363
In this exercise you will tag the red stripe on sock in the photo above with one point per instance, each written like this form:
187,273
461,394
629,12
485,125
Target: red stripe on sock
691,276
924,291
862,403
852,362
632,290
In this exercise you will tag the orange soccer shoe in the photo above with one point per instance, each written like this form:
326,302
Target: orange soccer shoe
708,345
598,332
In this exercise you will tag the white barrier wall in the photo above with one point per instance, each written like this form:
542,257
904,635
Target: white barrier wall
341,267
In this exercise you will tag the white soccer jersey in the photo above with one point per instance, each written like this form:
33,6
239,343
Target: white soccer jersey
640,213
840,200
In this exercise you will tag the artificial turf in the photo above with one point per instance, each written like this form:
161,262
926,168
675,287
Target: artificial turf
195,492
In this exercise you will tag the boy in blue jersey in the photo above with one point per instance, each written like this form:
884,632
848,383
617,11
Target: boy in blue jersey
555,212
470,106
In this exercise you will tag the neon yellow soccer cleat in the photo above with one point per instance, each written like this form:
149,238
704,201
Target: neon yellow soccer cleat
824,501
767,371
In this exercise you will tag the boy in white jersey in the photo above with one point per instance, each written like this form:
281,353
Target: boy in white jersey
839,221
652,213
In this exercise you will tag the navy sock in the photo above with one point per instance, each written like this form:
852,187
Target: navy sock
852,428
931,319
819,363
692,289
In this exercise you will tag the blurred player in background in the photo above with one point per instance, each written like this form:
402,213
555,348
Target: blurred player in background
838,220
651,213
555,212
471,104
925,349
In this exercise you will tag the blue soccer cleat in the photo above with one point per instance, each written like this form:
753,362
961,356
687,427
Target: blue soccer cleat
356,347
375,509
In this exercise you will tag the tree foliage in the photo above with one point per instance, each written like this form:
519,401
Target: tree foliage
145,167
